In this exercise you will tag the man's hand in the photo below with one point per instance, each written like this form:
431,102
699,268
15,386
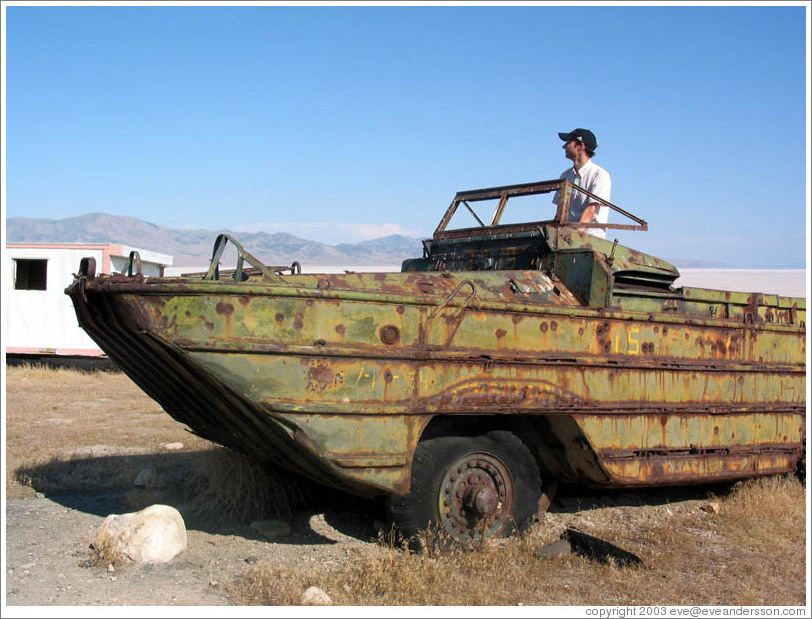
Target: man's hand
588,215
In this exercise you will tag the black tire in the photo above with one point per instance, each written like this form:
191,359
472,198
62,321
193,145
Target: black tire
469,487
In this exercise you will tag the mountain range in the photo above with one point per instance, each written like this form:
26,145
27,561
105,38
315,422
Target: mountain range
194,247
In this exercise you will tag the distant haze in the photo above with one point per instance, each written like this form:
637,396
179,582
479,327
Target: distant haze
194,247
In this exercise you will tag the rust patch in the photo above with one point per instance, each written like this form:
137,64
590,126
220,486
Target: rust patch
604,339
279,318
321,376
543,327
224,309
244,300
553,325
500,333
340,329
298,323
400,309
657,470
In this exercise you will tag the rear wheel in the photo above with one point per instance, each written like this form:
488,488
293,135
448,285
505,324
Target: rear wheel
470,487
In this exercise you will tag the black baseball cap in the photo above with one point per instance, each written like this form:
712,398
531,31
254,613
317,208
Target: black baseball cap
582,135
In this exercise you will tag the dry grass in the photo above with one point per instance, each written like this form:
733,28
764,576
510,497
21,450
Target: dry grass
62,419
71,430
752,552
229,487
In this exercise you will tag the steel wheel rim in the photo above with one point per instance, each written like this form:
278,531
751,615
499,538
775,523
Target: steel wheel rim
476,497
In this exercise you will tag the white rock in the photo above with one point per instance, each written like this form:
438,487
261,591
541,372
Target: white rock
153,535
173,446
146,476
313,596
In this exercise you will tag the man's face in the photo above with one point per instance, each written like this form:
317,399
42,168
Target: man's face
571,149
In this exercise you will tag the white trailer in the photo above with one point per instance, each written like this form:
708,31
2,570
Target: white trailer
38,318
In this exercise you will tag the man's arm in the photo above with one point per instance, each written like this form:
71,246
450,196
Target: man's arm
601,186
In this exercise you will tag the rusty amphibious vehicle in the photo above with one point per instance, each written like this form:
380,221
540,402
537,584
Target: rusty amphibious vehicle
506,359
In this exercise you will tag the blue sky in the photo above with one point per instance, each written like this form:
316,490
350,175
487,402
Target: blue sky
342,123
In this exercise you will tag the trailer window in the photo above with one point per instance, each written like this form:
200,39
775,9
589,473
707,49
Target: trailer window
30,274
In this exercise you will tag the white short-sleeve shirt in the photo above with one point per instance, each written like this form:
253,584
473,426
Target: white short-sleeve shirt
595,180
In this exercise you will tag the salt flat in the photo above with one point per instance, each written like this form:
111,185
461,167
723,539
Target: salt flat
785,282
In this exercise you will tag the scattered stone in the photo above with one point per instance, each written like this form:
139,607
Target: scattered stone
710,508
111,568
153,535
146,477
313,596
271,528
558,548
251,560
173,446
39,495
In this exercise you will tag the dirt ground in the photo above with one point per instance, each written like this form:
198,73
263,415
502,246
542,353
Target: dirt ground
48,556
49,563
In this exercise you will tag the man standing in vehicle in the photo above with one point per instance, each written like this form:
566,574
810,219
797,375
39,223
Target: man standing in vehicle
579,147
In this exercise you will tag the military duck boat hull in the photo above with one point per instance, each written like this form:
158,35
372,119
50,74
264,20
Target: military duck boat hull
506,359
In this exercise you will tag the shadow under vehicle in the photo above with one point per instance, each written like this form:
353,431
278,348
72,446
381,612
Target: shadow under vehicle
506,359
